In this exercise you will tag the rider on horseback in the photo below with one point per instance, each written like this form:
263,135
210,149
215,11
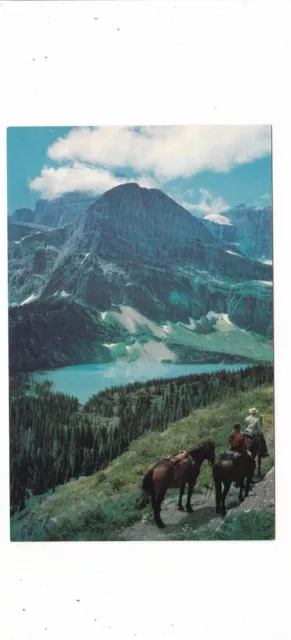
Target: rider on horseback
238,446
236,439
253,426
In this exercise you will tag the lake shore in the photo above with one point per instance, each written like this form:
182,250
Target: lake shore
82,381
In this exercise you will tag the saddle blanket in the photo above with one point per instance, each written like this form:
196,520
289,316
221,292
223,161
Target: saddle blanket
234,454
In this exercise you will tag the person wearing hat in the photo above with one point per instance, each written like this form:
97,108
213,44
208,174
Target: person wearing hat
253,426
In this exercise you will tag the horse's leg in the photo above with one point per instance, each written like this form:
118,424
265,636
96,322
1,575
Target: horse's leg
217,495
248,484
180,503
153,496
160,494
241,487
223,497
188,503
158,519
259,465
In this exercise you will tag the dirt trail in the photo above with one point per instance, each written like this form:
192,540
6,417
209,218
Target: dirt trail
262,495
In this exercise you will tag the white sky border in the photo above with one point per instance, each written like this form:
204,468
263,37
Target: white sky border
151,63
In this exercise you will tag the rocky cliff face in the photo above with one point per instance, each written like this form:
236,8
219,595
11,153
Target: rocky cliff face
137,248
32,258
248,228
57,212
253,230
23,215
225,233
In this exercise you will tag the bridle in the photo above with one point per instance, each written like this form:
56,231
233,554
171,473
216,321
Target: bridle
206,497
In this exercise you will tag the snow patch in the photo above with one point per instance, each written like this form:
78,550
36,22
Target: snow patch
103,314
167,328
212,314
156,351
86,256
266,261
130,318
191,325
110,346
219,316
64,294
218,219
232,252
31,235
269,283
27,300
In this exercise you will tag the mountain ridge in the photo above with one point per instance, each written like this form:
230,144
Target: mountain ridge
137,248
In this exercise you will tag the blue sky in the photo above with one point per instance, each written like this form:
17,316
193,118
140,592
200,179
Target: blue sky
207,169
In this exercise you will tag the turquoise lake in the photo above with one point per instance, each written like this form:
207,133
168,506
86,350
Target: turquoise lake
83,381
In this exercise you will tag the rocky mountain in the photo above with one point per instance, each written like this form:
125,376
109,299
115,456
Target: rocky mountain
57,212
220,227
141,273
249,229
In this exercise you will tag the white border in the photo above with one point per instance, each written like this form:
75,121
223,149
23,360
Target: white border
169,63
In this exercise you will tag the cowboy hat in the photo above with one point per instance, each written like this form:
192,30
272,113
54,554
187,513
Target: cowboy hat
253,410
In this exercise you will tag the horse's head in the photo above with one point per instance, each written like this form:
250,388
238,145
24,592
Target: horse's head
209,450
205,452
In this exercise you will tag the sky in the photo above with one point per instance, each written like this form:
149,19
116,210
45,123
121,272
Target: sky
207,169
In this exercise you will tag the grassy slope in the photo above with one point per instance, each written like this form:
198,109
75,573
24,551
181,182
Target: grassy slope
226,339
96,507
185,345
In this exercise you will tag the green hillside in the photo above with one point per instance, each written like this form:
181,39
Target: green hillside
98,507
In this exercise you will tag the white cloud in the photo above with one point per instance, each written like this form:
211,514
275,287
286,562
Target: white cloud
207,205
266,196
53,183
166,152
190,192
146,181
206,195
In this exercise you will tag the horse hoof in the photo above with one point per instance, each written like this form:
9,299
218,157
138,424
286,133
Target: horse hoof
217,509
161,525
189,509
180,507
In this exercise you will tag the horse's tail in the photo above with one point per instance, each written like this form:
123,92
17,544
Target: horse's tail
147,484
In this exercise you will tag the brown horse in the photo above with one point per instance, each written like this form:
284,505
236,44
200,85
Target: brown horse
228,469
175,473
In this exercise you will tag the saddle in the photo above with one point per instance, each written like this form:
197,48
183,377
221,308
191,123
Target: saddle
182,455
230,454
248,435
